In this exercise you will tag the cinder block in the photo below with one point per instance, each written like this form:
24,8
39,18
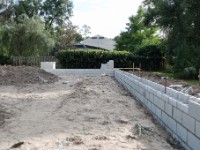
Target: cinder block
194,110
188,122
172,101
159,103
192,98
147,94
183,107
197,131
168,91
168,109
193,141
186,98
165,118
153,108
159,94
177,115
182,132
150,105
172,124
158,113
175,94
165,98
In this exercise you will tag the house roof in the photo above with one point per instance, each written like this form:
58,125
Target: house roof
99,41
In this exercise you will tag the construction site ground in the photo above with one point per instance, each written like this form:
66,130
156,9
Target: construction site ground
85,113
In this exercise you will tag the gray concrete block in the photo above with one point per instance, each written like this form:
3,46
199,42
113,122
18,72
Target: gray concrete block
159,94
194,110
164,118
158,113
188,122
181,106
193,141
197,131
172,101
177,115
159,103
153,109
168,109
165,98
182,132
172,124
151,97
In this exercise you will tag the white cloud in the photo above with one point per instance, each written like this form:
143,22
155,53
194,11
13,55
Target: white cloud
105,17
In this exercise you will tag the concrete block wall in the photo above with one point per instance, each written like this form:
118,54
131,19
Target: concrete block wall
48,65
107,69
179,113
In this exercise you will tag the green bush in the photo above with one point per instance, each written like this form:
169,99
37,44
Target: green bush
94,58
4,60
189,73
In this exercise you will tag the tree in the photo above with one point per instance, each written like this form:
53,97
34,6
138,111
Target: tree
53,12
43,22
180,21
56,12
6,9
29,7
85,31
138,35
67,36
27,37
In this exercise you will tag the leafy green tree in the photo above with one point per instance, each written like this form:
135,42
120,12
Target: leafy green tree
139,37
56,12
180,21
27,37
67,36
53,12
29,7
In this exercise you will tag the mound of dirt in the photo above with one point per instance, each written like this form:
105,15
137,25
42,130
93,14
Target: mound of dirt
11,75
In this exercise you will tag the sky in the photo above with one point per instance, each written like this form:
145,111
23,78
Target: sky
105,17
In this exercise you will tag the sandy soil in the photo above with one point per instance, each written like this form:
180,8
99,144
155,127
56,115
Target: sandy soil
85,114
13,75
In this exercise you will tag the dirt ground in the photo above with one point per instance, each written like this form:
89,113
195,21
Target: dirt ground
84,114
10,75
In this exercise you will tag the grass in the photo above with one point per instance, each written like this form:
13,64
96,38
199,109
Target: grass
164,74
192,82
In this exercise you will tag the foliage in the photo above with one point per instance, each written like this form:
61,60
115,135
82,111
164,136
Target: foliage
85,31
4,60
56,12
27,37
31,27
94,58
53,12
139,38
189,73
29,7
179,21
67,36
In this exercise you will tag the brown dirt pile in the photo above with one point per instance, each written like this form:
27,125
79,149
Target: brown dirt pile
11,75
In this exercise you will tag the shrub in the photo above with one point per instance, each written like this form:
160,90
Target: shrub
4,60
94,59
189,73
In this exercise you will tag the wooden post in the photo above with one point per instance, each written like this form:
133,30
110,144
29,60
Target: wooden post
139,68
165,84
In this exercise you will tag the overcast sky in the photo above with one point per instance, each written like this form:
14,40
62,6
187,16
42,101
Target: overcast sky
105,17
